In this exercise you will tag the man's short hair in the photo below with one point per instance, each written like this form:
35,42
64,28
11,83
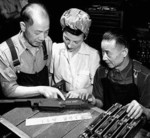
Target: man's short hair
118,35
28,10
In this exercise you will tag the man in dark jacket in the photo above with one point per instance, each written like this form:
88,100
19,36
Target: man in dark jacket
122,80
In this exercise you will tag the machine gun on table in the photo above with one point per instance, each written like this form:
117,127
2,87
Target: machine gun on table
114,123
44,104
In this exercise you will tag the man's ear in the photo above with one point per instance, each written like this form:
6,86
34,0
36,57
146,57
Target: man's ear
22,26
125,52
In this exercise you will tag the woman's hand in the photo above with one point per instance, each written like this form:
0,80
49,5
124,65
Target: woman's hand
81,93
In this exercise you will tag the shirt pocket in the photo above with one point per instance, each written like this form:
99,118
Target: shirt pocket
83,79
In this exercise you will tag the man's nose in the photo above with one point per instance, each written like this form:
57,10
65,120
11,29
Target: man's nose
104,56
70,43
42,36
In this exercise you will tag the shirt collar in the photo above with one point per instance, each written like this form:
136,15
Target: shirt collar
23,42
83,49
121,75
127,68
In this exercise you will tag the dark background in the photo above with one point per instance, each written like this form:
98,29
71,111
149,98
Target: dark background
135,21
136,13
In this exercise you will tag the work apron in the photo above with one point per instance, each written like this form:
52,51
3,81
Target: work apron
118,93
37,79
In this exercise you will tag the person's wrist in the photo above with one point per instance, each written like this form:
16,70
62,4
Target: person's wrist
39,91
93,101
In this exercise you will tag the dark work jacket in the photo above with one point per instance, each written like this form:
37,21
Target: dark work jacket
118,93
135,85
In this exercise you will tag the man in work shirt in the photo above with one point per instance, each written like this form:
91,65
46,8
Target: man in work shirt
24,59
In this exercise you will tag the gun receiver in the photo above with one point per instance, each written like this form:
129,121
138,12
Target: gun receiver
114,123
71,103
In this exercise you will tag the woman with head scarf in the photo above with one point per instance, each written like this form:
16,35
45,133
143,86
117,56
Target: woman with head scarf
73,60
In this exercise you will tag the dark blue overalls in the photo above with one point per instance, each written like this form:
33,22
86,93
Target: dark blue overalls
24,79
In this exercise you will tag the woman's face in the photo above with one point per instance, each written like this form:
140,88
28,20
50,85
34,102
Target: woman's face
72,42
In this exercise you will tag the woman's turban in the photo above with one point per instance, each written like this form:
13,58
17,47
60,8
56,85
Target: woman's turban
76,19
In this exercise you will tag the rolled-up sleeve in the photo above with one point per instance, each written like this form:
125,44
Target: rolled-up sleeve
7,76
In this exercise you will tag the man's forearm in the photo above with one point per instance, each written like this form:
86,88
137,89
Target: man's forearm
22,91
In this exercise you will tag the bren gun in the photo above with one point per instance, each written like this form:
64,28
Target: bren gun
50,104
44,104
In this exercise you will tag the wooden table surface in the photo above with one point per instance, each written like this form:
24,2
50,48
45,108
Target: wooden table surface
70,129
